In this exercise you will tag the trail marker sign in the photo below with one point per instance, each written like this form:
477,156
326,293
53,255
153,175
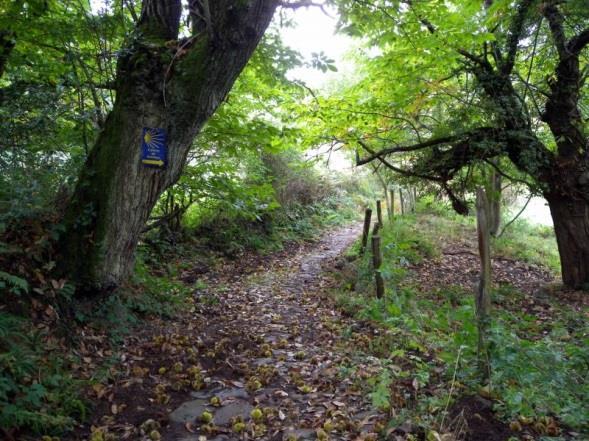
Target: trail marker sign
154,148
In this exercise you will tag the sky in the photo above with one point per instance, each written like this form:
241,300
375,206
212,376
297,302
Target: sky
314,31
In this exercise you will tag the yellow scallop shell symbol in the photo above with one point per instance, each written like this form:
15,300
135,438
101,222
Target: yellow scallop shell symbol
147,138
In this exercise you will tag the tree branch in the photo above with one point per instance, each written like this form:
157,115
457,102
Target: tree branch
391,166
555,22
482,62
161,18
515,33
578,42
425,144
304,4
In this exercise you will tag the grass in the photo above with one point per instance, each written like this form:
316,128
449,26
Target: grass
539,363
529,243
534,244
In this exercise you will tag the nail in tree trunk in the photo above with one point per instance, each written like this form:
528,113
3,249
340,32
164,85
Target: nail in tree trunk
379,212
366,230
402,201
162,82
483,294
376,263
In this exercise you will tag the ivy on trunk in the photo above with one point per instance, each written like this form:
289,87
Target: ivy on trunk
164,82
561,174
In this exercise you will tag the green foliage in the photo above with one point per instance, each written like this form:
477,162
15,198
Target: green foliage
283,198
380,394
529,243
534,373
540,377
13,284
36,390
160,295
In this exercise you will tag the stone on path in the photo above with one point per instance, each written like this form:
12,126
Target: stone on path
189,411
224,414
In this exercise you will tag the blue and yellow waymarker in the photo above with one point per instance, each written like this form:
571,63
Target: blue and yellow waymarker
154,148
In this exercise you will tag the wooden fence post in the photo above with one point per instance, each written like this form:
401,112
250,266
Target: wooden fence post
483,294
376,229
367,217
392,192
376,262
379,212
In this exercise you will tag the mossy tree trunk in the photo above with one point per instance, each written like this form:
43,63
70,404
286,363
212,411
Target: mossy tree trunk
571,226
560,171
161,83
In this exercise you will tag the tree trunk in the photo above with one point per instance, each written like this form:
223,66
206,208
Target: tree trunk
161,83
7,43
571,226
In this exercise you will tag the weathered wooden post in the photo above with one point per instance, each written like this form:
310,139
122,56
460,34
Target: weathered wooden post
367,218
376,229
379,212
376,262
494,196
483,294
392,192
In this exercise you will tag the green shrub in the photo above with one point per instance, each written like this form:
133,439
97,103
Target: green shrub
533,374
37,392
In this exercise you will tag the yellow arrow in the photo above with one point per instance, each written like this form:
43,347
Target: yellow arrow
158,162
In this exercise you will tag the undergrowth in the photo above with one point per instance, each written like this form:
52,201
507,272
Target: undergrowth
430,338
521,240
37,391
232,233
41,391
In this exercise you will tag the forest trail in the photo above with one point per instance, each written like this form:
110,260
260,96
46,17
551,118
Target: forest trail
262,352
267,340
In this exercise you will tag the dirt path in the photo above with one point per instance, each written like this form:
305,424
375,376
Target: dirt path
267,341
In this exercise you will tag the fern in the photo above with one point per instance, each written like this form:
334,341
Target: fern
14,284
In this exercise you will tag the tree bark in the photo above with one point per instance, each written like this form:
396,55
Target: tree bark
161,83
7,43
571,227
